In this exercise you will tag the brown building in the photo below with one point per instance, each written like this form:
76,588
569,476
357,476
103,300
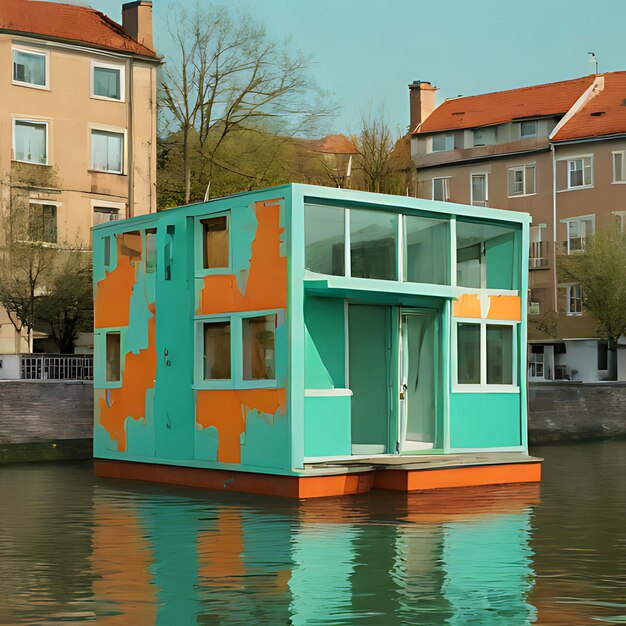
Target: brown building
556,151
77,121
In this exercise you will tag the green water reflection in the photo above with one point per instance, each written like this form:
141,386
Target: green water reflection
76,549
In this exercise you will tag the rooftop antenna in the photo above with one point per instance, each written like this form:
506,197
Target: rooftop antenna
593,59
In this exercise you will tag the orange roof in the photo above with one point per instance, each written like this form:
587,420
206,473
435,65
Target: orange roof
333,144
604,114
503,106
68,22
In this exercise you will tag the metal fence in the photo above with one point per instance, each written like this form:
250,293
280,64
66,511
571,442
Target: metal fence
57,367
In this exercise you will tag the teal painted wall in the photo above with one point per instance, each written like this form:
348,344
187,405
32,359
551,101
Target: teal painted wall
485,420
327,426
325,343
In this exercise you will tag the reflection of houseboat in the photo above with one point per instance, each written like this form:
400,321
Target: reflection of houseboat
308,341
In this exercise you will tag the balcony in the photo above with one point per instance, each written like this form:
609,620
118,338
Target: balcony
540,256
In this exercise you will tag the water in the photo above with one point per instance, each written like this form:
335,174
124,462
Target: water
76,549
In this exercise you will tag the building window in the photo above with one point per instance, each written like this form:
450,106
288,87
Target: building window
107,251
522,180
30,141
216,360
536,361
574,300
426,255
103,215
528,129
151,254
107,150
619,175
484,136
324,231
373,244
30,68
113,357
578,230
441,189
580,172
603,355
259,354
42,223
107,81
468,354
442,142
479,189
215,242
168,251
538,256
485,354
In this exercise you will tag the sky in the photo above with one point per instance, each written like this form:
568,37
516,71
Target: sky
366,52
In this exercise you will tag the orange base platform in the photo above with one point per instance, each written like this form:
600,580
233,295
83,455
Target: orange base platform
322,486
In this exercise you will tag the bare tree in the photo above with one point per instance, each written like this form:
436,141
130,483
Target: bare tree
374,144
228,75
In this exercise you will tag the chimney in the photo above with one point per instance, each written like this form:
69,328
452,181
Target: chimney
421,102
137,21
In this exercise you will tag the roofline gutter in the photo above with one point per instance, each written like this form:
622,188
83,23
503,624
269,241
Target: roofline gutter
566,142
59,42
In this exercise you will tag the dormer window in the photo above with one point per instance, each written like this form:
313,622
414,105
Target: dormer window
528,129
484,136
442,142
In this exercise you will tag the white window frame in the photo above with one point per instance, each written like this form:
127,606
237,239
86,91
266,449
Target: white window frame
523,168
109,129
446,188
448,138
121,67
485,202
483,387
620,215
582,158
534,364
30,120
623,173
38,52
580,218
568,295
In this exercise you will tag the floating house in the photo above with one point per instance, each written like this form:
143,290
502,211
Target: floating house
307,341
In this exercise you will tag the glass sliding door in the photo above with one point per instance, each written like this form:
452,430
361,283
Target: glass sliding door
419,373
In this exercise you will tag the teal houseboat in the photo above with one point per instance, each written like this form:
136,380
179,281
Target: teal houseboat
308,341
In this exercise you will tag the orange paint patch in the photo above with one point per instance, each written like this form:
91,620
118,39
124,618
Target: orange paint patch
468,305
227,411
505,308
267,277
130,399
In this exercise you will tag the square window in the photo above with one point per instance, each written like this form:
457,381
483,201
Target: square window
113,355
528,129
29,68
468,354
441,189
103,215
107,150
215,242
259,357
580,172
216,359
107,82
30,141
442,142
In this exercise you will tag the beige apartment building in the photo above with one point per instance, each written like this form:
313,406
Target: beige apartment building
78,122
556,151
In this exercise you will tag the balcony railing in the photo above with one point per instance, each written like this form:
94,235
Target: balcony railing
57,367
540,255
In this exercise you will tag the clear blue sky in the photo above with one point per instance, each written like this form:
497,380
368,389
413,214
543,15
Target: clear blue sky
367,51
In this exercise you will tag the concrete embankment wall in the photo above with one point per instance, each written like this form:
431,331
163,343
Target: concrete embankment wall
45,420
570,411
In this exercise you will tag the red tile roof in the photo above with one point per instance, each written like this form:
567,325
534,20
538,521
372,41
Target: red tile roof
604,114
68,22
503,106
333,144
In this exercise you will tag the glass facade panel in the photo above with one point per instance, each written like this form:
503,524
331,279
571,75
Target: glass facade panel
499,354
258,348
324,239
373,241
426,250
468,354
217,351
